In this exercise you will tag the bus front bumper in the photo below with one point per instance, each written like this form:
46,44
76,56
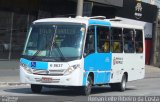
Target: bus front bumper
73,79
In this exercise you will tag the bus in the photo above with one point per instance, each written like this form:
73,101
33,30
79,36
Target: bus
82,52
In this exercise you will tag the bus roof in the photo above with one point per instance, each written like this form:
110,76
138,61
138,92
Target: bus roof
122,25
72,20
91,21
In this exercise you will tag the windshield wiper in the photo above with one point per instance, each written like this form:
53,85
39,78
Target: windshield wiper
55,45
59,50
47,47
39,51
49,44
35,54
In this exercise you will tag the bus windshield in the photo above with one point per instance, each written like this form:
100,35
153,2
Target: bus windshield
55,40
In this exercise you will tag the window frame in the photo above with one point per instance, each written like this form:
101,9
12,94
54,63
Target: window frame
140,45
120,41
129,46
87,41
105,43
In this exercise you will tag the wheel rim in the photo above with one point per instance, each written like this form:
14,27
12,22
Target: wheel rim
88,87
124,83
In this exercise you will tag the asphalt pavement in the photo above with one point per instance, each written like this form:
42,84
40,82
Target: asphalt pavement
9,72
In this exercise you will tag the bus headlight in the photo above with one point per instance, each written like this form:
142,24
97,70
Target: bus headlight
26,68
23,65
71,69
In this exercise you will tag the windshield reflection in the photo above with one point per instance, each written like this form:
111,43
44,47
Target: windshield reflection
67,37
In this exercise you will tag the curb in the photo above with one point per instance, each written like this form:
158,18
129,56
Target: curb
12,84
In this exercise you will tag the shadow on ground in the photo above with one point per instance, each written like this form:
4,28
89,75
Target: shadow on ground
63,91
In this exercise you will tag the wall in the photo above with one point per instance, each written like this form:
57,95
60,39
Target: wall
16,17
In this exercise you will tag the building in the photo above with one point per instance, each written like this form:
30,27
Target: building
17,15
153,2
156,39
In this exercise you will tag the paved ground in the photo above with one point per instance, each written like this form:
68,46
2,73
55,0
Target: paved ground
151,71
9,75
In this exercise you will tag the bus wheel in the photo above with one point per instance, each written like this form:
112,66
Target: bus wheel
36,88
88,87
122,84
119,86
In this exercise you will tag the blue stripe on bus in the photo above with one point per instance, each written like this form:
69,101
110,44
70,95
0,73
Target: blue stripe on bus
99,22
100,65
35,64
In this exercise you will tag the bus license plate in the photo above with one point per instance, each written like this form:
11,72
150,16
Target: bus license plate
46,80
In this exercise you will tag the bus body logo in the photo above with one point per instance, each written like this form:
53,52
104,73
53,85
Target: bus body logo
33,64
117,60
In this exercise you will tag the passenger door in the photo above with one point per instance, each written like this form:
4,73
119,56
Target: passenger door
103,56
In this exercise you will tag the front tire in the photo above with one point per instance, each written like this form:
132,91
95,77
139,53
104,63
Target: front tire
36,88
87,89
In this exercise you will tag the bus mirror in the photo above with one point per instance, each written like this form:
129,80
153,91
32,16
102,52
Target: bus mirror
84,54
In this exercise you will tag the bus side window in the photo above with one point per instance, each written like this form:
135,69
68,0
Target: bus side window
116,40
139,41
103,39
129,41
90,41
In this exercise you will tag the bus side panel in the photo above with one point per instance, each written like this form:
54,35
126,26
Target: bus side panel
133,64
100,65
117,67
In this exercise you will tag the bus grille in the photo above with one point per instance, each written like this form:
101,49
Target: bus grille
49,72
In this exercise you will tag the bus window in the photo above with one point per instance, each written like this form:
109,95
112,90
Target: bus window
90,41
116,42
139,41
128,40
103,42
